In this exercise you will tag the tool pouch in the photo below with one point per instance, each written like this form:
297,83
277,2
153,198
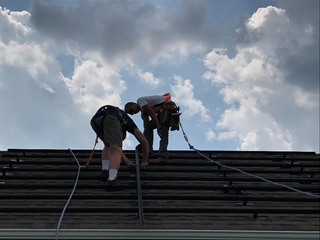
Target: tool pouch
171,115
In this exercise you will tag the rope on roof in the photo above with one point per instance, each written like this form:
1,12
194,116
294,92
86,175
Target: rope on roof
249,174
74,188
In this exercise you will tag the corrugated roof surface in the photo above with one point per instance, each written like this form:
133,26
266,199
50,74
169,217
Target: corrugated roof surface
187,193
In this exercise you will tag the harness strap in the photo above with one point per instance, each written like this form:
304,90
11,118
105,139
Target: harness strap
168,96
115,109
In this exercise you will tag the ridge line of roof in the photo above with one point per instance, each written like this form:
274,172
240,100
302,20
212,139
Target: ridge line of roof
171,150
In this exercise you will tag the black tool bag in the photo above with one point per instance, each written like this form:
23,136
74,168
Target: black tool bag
172,115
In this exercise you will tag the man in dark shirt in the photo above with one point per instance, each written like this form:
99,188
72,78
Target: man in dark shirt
111,124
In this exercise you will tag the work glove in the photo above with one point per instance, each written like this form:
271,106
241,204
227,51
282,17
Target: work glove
160,132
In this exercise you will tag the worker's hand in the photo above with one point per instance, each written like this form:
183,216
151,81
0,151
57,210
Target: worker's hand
143,165
131,165
160,132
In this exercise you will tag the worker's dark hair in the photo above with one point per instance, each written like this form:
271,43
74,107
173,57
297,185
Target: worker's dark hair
128,106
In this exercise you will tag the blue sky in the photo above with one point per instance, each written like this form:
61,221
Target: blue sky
244,73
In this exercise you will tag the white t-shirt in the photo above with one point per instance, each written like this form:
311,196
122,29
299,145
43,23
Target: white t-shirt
152,100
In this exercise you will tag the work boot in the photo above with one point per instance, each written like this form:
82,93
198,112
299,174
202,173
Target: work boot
159,160
112,185
104,175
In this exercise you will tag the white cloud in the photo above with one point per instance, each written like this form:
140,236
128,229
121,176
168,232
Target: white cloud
218,60
257,88
210,135
146,78
227,135
40,101
250,142
253,128
149,79
92,86
29,56
275,31
127,143
183,95
264,17
21,49
15,25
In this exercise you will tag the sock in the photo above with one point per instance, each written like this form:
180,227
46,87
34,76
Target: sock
112,173
105,164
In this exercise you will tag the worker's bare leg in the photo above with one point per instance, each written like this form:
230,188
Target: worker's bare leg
115,160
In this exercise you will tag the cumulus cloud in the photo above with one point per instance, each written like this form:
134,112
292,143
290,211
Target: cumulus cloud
14,24
29,56
183,95
291,35
250,142
92,86
266,106
146,78
210,135
127,143
40,101
255,129
227,135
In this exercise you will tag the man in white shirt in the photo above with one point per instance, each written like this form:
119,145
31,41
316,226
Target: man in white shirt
151,106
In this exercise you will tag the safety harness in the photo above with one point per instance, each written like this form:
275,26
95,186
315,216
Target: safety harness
172,115
116,110
100,113
168,96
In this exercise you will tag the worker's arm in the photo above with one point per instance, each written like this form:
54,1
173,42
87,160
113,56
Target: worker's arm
145,147
149,110
127,161
145,119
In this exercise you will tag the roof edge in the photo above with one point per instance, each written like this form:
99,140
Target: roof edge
154,234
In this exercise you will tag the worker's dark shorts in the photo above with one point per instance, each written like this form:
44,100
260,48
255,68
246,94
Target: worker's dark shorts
111,133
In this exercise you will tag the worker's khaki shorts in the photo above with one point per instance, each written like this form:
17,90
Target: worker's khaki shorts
112,131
